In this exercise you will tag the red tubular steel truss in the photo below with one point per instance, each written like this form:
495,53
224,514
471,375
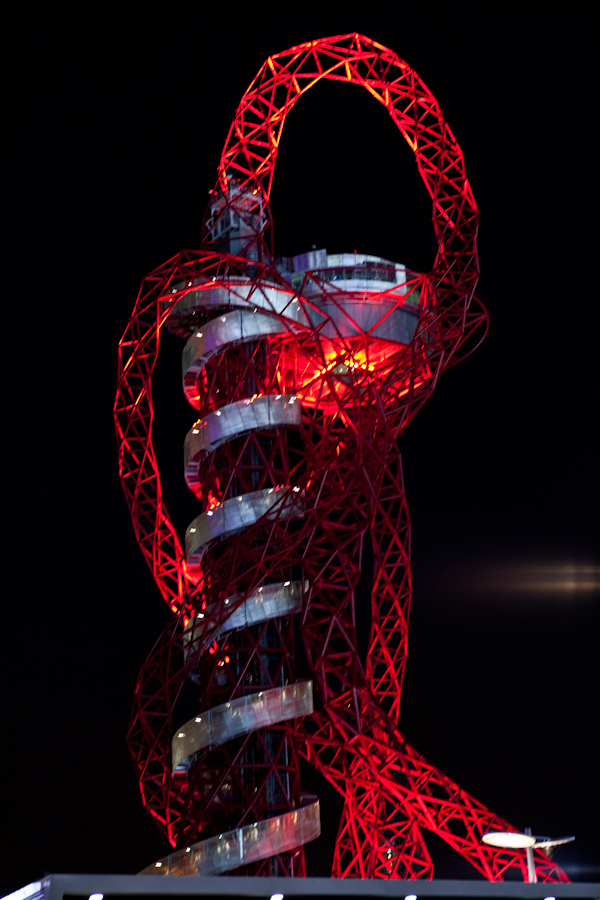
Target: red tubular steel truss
304,373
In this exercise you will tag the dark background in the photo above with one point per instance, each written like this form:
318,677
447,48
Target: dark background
115,124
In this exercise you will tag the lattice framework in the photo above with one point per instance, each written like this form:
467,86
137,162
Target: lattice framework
351,485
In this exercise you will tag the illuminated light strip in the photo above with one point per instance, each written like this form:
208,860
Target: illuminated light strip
238,717
413,387
278,834
233,328
233,420
270,601
31,891
236,514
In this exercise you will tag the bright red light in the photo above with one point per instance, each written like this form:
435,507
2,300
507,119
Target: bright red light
357,392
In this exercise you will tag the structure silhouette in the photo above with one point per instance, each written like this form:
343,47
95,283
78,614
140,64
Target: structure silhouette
304,372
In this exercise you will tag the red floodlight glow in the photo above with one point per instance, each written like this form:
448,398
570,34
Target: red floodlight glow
304,373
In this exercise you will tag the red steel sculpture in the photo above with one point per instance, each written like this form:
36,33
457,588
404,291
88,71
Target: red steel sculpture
304,372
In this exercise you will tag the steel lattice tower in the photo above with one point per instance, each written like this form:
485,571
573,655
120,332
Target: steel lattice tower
304,373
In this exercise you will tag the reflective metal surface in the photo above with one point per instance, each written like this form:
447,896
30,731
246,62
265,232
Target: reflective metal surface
243,845
233,420
232,328
380,317
238,513
244,294
245,887
245,714
268,602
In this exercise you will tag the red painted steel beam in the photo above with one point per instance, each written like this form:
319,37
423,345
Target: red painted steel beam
337,475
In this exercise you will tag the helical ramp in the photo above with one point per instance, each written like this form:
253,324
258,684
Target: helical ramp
302,372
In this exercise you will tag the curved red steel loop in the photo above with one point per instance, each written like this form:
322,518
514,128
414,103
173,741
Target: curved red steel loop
250,151
133,415
324,474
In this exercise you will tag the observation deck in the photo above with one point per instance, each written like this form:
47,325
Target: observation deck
351,294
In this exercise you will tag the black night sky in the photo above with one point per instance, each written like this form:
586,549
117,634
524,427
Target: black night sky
115,126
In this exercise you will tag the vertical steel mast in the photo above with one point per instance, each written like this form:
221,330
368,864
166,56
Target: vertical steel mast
304,373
